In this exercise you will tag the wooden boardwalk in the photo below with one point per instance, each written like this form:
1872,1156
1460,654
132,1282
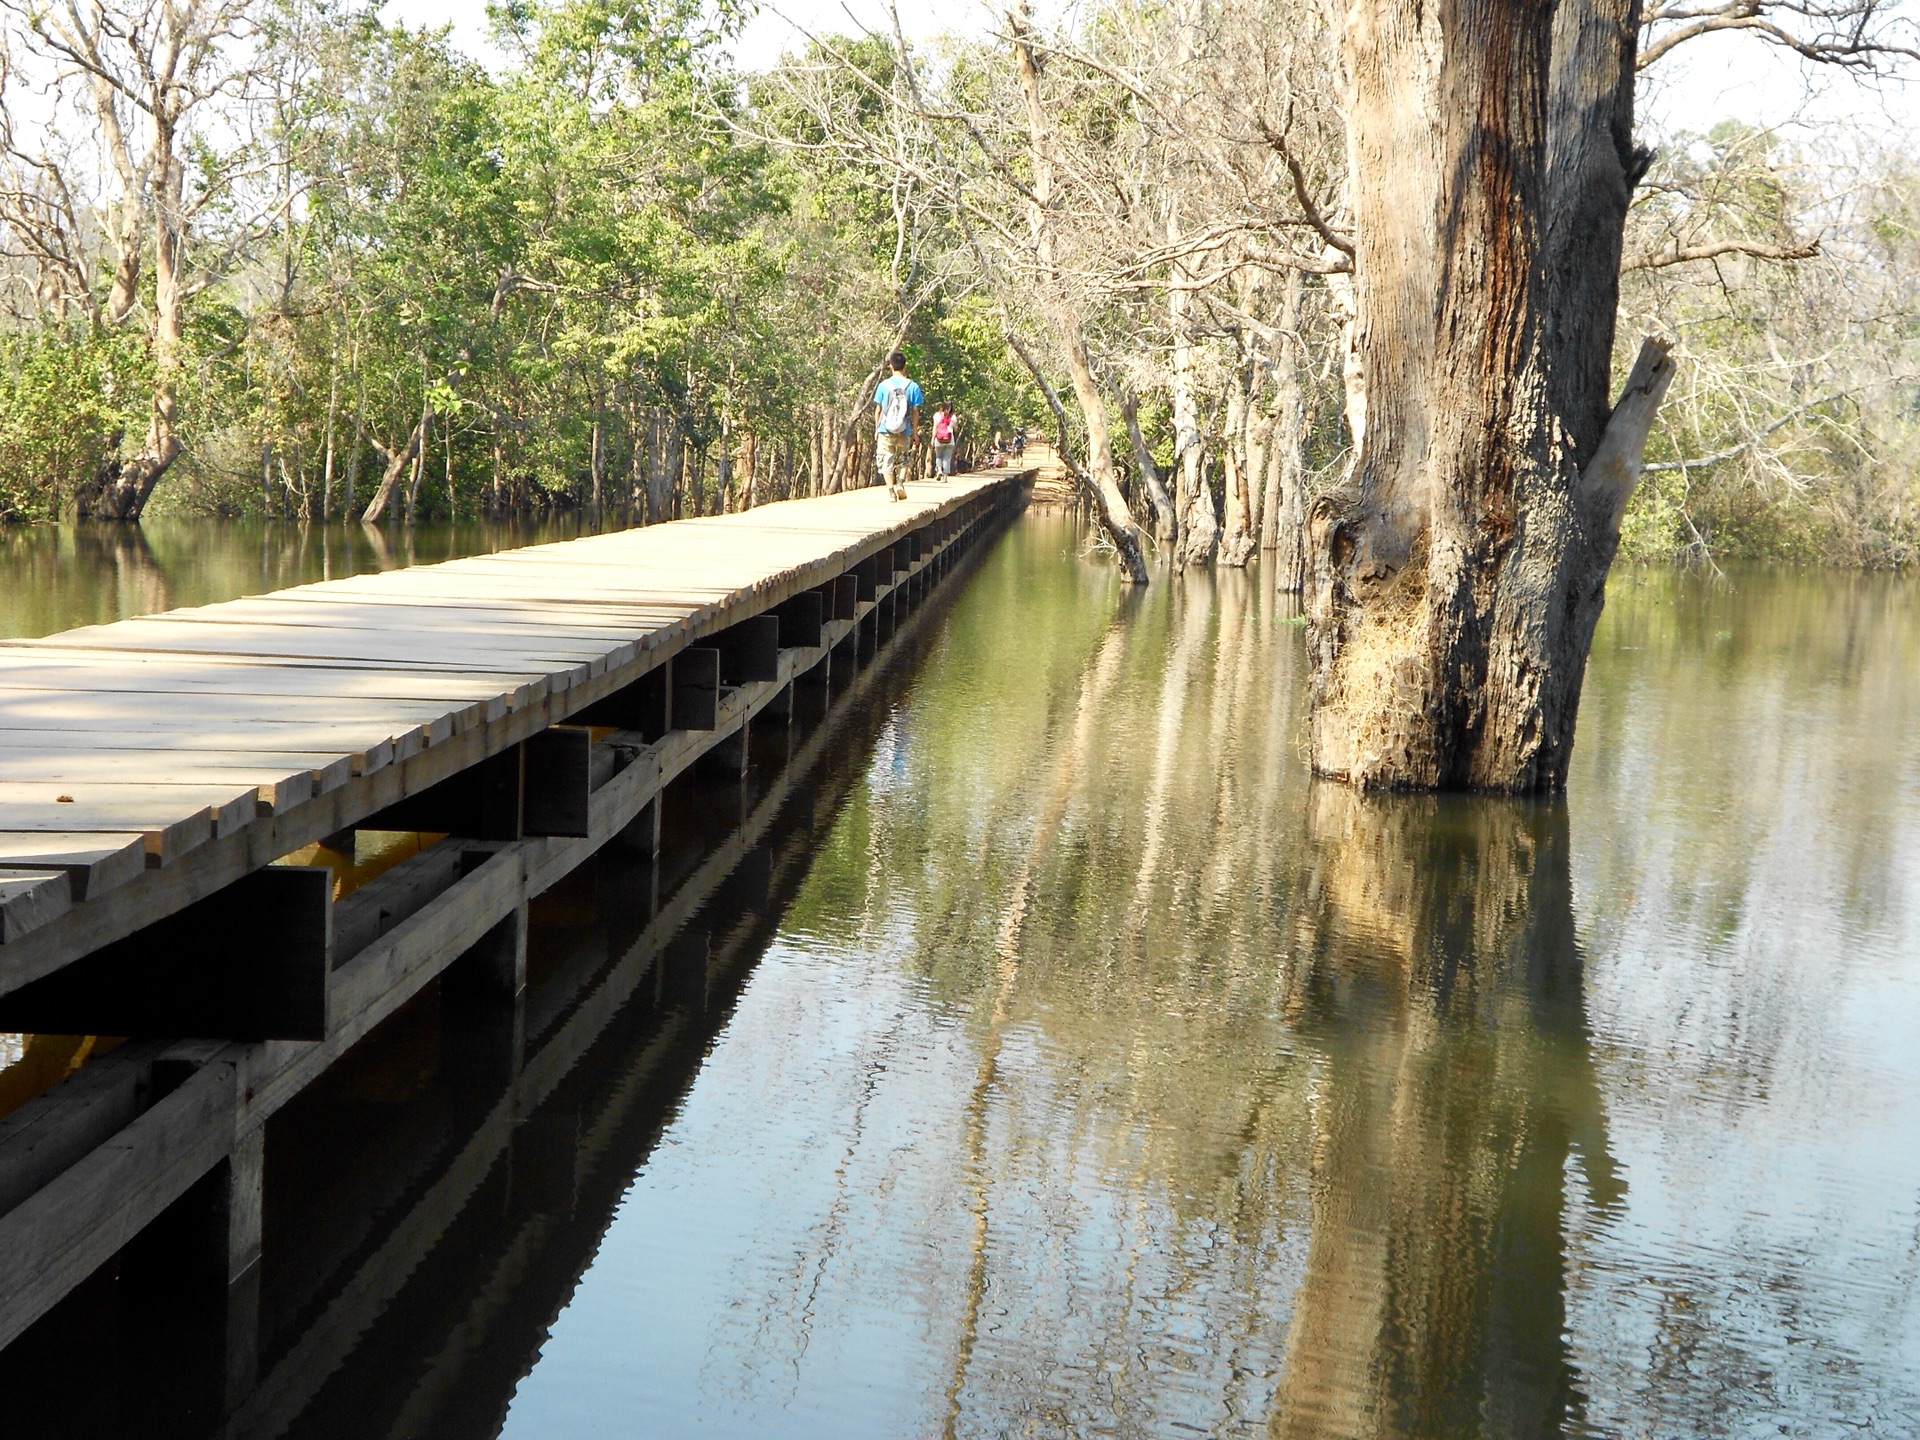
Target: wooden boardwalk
531,706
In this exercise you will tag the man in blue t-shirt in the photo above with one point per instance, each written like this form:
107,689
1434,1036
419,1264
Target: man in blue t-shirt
896,407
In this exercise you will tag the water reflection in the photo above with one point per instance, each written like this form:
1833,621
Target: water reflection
58,577
1440,978
1065,1062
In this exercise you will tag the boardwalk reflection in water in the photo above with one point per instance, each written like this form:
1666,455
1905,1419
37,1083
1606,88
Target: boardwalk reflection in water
1057,1059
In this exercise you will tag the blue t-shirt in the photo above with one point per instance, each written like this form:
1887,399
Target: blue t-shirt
914,400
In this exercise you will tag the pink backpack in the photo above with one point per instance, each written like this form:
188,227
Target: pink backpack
943,427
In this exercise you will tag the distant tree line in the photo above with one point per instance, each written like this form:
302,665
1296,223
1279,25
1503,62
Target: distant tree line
278,257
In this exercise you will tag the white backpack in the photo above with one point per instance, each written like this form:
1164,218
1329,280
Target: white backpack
893,412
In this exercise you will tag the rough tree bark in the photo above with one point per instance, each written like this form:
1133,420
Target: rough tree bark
1164,524
1238,537
1283,516
1199,530
1458,571
398,462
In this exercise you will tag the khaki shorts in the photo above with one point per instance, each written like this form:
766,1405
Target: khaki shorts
893,454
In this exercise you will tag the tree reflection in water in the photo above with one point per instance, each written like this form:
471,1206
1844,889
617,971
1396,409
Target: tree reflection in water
1439,975
1095,1072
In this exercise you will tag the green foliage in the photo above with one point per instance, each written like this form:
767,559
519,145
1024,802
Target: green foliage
583,270
63,393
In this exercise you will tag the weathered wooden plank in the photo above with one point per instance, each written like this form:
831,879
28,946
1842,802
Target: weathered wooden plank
30,898
52,1131
58,1236
172,818
281,780
92,863
316,749
251,962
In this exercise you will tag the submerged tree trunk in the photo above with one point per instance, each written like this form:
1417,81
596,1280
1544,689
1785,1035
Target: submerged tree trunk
1164,524
1283,516
397,463
1199,531
1458,571
1237,538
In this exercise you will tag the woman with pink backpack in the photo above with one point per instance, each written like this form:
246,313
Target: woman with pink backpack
943,423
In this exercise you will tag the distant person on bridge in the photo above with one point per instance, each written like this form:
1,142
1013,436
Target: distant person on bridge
896,408
1019,441
943,421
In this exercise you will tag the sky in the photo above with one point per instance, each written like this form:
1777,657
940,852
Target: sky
1714,78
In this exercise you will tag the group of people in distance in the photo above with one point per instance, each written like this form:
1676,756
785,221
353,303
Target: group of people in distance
897,402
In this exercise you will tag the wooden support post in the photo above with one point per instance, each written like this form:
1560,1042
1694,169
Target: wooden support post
251,962
190,1280
883,566
846,597
800,619
866,577
642,833
558,782
750,650
641,706
482,802
777,710
696,689
729,757
496,964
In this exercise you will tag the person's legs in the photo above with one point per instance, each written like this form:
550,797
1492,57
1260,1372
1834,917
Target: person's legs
894,454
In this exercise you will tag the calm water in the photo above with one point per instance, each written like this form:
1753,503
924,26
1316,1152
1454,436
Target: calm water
57,577
1073,1065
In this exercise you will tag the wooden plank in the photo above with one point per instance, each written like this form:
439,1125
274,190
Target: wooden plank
316,750
173,818
92,863
409,725
475,700
281,780
426,654
253,961
29,899
57,1237
51,1132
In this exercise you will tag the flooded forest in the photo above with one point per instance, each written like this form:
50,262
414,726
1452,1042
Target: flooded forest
1381,898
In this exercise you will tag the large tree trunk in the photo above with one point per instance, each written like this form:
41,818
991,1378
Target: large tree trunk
121,489
1199,530
398,462
1458,572
1283,516
1237,538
